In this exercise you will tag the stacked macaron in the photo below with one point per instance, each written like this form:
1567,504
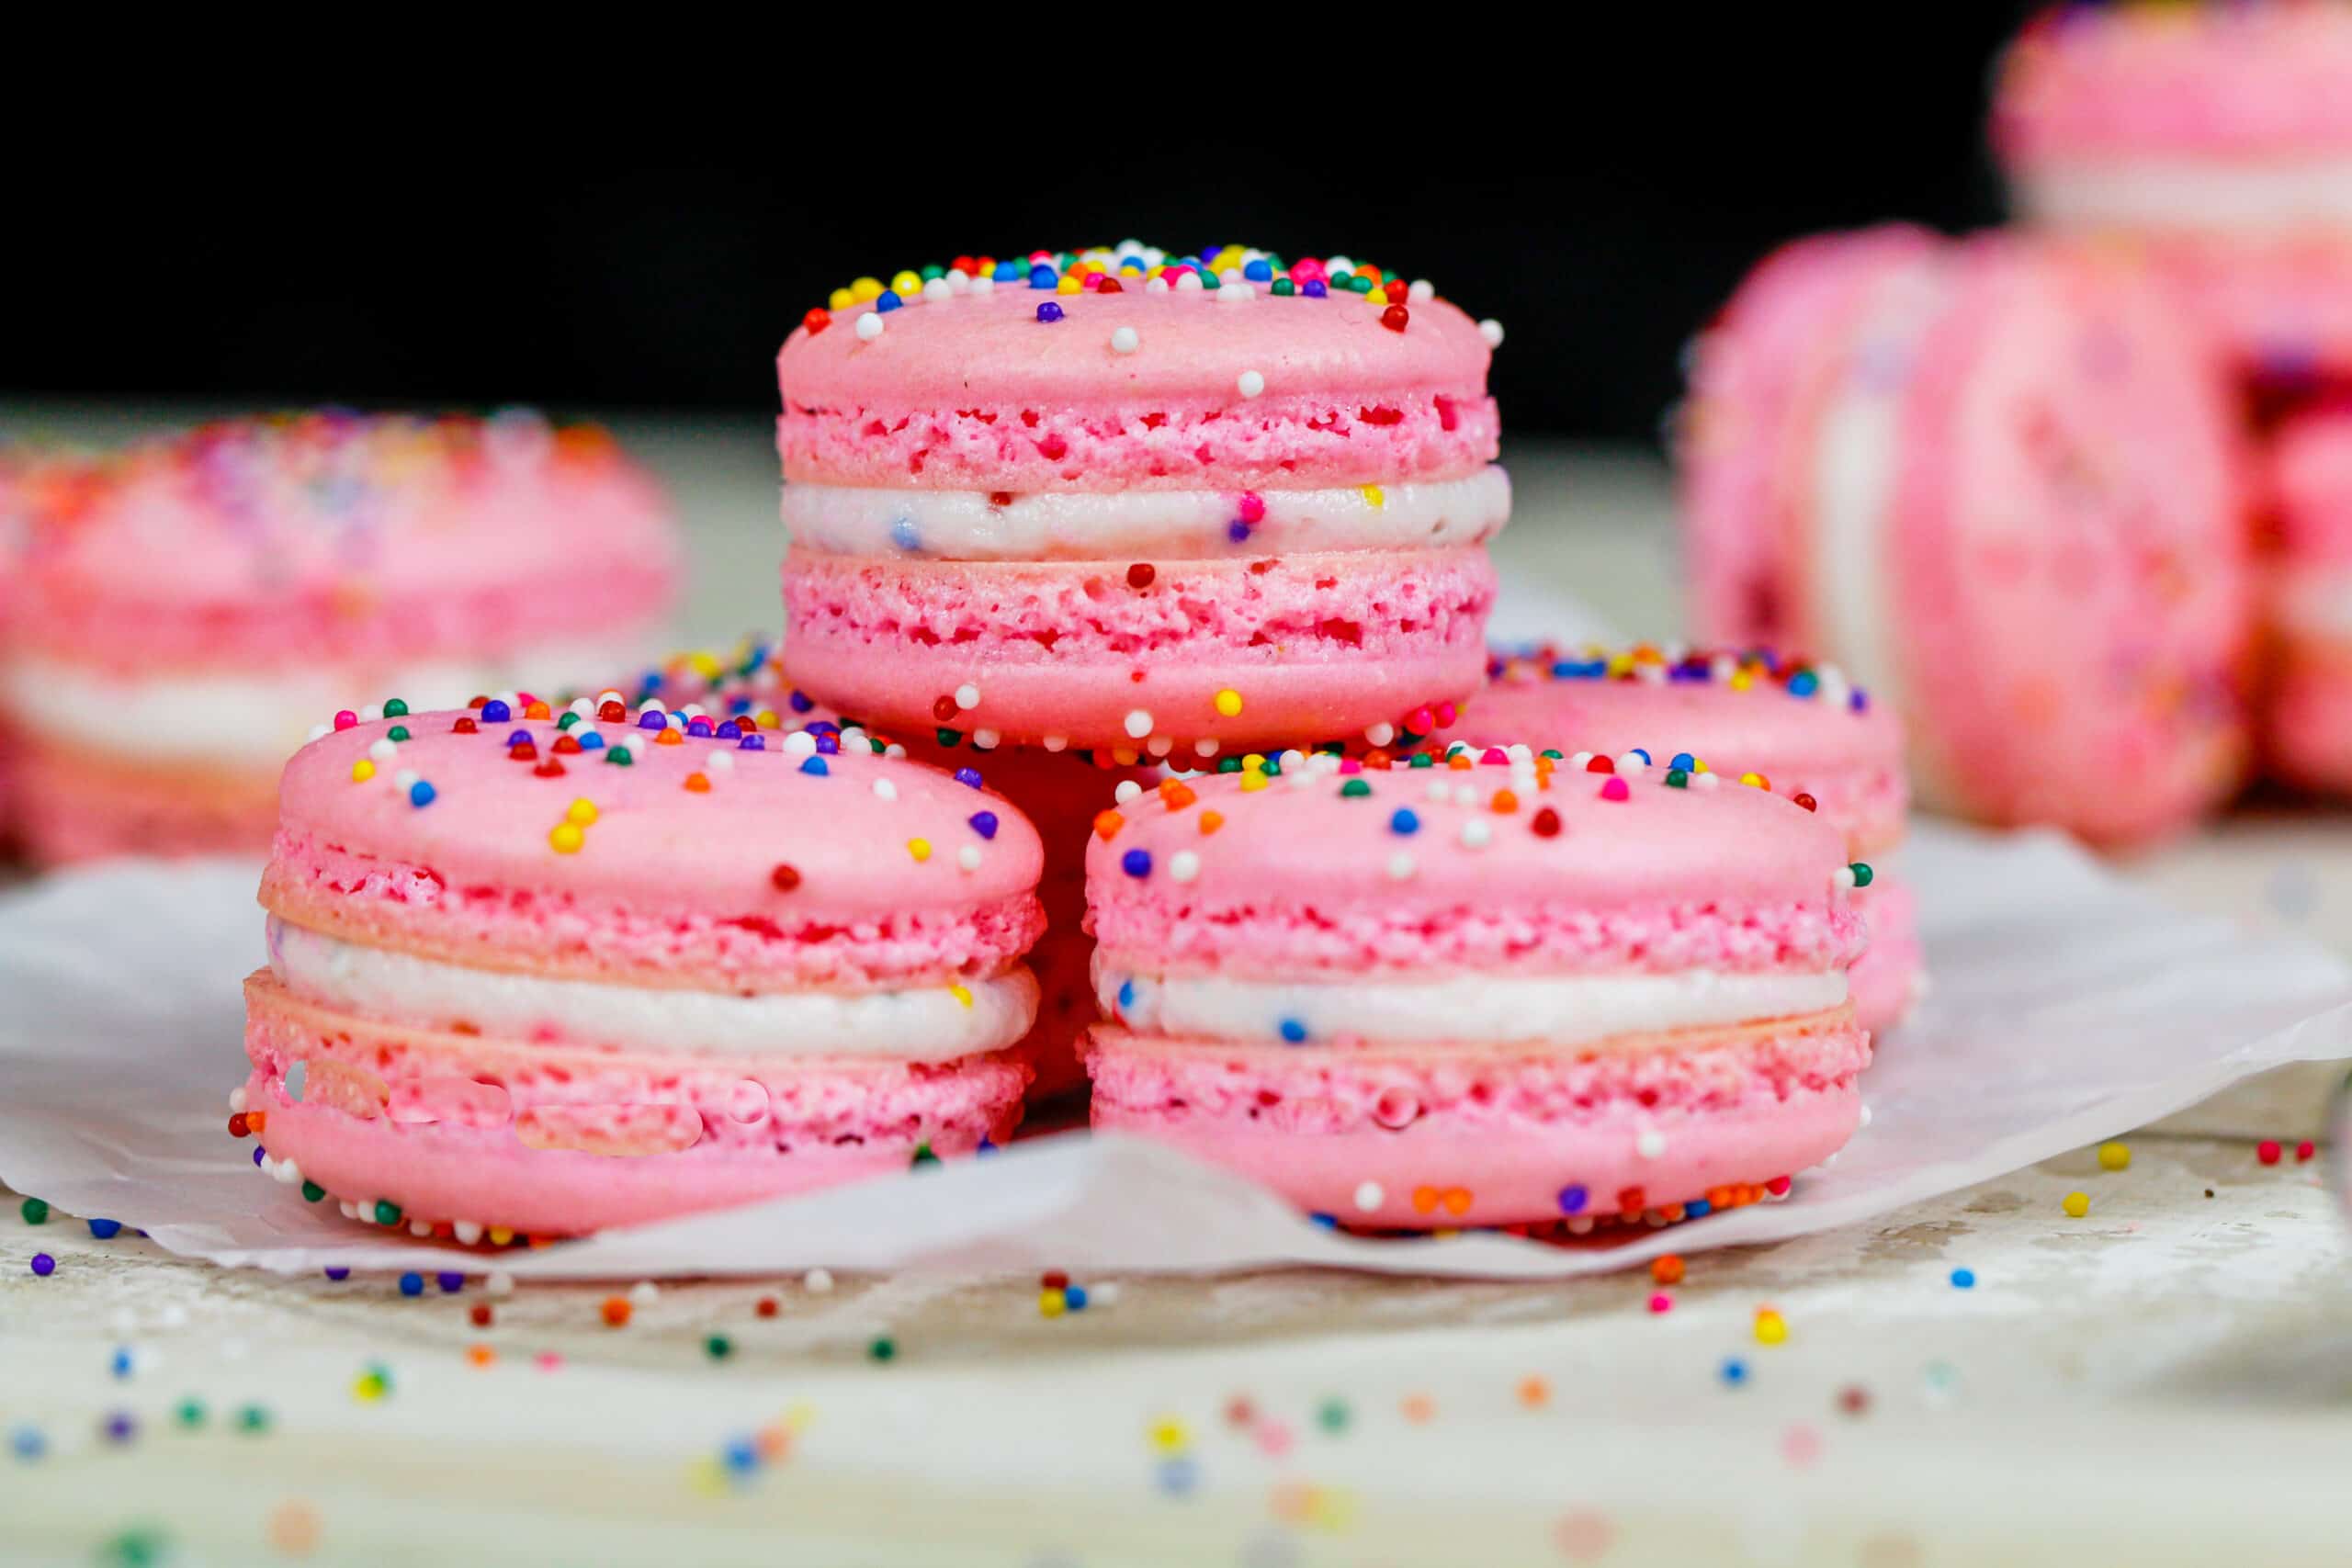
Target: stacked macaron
1798,730
2216,138
192,604
1480,991
1161,503
2308,716
1996,482
542,974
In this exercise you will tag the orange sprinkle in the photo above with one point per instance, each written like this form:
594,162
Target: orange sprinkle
616,1311
774,1442
668,738
1175,794
697,782
1667,1270
1456,1199
257,1120
480,1355
1460,760
1378,761
1107,825
1505,802
1534,1393
535,710
1418,1408
1425,1200
1212,820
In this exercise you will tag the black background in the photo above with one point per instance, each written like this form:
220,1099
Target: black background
643,232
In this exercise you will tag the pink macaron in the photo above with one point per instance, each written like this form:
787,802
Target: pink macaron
2307,716
547,976
1060,794
1503,993
1785,725
1164,505
195,603
1997,481
2217,140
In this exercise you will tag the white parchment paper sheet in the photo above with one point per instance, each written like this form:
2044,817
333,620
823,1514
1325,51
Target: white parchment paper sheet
2067,1006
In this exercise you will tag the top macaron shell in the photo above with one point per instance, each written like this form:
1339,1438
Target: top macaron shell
847,826
2218,80
1588,841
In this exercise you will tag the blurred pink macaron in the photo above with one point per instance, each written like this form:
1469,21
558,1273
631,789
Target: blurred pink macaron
545,973
1497,993
2307,715
193,604
1799,730
2217,141
1997,481
1164,505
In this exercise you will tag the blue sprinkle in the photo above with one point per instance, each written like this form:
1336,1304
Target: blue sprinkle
333,1272
731,730
590,740
1963,1279
122,1365
1403,820
1136,862
421,794
1573,1198
1126,995
27,1444
518,738
969,777
1074,1297
814,765
1804,684
887,302
1238,531
1696,1208
1049,312
1007,272
411,1284
495,712
987,1146
903,534
741,1455
800,701
753,741
1682,762
260,1154
1294,1032
829,745
1179,1475
1860,702
1259,271
1645,756
1316,288
652,720
1328,1222
983,823
450,1282
1043,277
105,1230
1734,1371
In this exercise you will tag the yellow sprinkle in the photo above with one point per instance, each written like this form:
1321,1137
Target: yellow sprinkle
1741,680
767,718
1170,1436
500,1235
1755,780
2114,1156
1051,1303
1373,494
1069,285
368,1388
1228,703
1699,765
1772,1328
705,664
906,285
1254,762
2076,1204
1254,780
582,811
362,770
798,1414
865,290
919,848
841,300
962,993
566,838
706,1476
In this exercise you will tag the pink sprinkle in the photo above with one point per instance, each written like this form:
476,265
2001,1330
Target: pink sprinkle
1801,1445
550,1361
1615,789
345,719
1273,1436
1494,757
1661,1303
1444,714
1421,721
1778,1187
1351,765
1092,283
1253,507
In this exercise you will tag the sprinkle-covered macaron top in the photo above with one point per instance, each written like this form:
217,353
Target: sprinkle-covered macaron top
656,808
2191,80
1483,826
1228,321
368,505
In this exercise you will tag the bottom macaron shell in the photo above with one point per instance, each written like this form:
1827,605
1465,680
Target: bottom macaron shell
2308,720
70,804
1892,972
561,1140
1301,648
1464,1136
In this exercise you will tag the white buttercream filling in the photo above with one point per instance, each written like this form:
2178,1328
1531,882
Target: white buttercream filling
1553,1009
1146,525
2181,193
268,713
927,1023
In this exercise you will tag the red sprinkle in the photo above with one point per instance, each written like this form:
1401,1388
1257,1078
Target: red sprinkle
1600,763
2267,1152
237,1128
767,1307
1806,801
816,320
2304,1150
1547,824
1140,574
480,1314
785,877
612,713
1395,317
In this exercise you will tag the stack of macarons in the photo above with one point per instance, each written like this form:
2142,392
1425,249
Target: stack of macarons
1800,730
1997,481
537,974
189,606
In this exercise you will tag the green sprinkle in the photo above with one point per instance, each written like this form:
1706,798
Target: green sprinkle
395,708
35,1210
567,721
1284,289
1555,756
948,736
923,1157
386,1211
618,757
1228,765
190,1413
1355,789
397,732
313,1191
882,1349
1862,874
1423,760
718,1347
252,1418
1333,1416
1676,779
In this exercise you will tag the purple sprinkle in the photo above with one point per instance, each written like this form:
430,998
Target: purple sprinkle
984,824
801,702
753,743
698,726
829,745
1049,311
518,738
651,720
260,1154
450,1282
968,776
1316,288
44,1265
1238,531
731,730
338,1274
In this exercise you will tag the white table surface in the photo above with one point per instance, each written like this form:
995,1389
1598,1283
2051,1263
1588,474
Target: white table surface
2166,1380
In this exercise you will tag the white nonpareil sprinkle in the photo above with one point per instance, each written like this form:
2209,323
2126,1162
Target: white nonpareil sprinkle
1056,743
968,857
817,1281
719,762
1421,291
985,740
1492,331
799,743
1400,866
1369,1197
1381,734
885,789
1138,724
968,695
1650,1144
1477,833
869,326
1128,789
1184,865
1252,383
1125,340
